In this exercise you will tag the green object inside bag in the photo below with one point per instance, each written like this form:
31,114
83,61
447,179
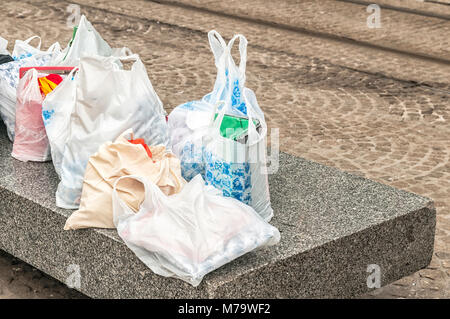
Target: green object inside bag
71,40
234,127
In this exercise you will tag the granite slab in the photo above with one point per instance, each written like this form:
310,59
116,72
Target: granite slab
333,226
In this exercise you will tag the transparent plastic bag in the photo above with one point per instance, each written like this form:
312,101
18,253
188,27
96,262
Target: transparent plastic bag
192,233
30,142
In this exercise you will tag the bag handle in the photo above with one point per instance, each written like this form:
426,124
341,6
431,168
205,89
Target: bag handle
125,58
218,47
27,41
130,57
150,189
54,48
221,114
217,44
253,114
242,51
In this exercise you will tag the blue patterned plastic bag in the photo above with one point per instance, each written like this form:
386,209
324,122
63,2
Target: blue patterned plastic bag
226,164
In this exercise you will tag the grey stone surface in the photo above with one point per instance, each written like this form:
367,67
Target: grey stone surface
333,225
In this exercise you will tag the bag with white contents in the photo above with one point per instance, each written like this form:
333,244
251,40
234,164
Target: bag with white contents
211,230
93,106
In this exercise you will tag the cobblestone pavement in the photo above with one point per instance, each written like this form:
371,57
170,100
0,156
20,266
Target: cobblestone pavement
373,106
344,19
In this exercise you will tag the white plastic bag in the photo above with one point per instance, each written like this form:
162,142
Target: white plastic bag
86,42
4,46
93,106
23,49
229,84
237,169
192,233
56,110
26,56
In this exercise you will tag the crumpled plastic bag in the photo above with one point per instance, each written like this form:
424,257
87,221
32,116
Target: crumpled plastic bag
189,234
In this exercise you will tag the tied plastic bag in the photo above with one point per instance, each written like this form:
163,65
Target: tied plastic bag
31,142
121,158
192,233
93,106
25,55
86,41
237,167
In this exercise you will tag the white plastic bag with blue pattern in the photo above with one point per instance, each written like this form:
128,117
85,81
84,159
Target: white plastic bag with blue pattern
24,55
237,169
93,106
191,233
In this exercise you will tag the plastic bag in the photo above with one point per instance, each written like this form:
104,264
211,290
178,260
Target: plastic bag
237,168
25,56
23,49
86,41
228,86
117,159
93,106
31,142
4,46
192,233
5,57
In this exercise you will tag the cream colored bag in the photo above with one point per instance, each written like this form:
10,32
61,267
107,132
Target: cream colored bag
114,160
